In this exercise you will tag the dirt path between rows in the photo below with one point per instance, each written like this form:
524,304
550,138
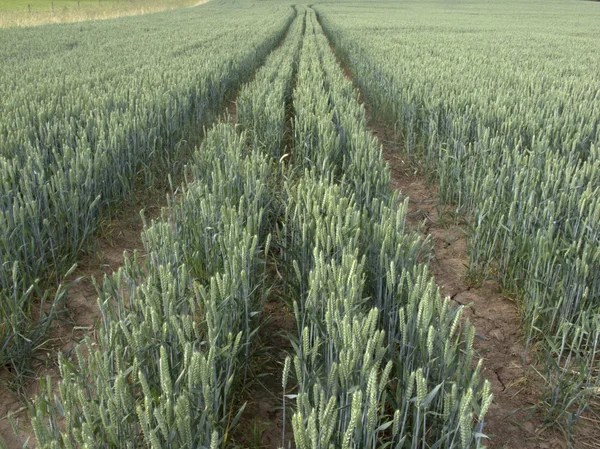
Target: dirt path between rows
261,424
496,319
511,421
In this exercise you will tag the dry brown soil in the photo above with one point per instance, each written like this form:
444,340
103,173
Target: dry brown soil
261,423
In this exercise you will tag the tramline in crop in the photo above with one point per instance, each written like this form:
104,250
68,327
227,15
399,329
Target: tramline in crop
88,114
379,358
379,355
507,117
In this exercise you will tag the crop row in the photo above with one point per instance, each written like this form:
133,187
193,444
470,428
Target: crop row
380,358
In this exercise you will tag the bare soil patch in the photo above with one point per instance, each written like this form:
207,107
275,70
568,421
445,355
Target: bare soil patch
261,424
498,339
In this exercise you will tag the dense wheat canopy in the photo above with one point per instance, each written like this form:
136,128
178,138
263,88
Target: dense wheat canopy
273,132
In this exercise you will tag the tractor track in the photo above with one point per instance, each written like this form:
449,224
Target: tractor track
513,421
118,236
